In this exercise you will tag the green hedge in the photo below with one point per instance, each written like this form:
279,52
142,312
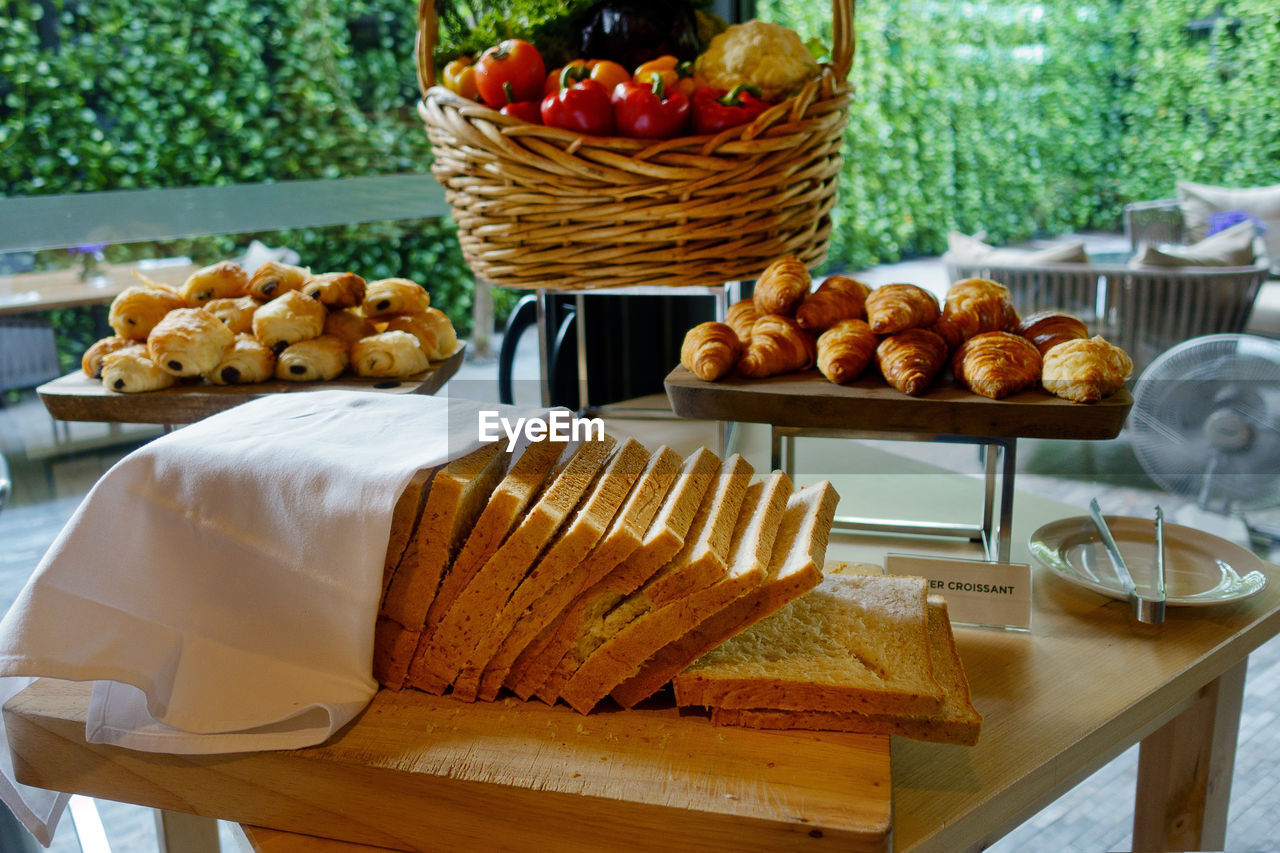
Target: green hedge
1012,118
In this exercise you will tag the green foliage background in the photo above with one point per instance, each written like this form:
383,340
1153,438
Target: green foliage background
1013,118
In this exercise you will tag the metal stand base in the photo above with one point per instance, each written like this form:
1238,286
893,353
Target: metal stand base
995,535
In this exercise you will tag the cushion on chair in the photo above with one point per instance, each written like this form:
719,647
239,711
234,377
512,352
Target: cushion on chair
963,248
1200,201
1234,247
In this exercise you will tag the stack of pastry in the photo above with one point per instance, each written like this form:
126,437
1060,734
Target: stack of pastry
231,328
844,326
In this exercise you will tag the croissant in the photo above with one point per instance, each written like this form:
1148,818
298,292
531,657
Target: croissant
388,354
996,364
335,289
973,306
274,278
777,345
741,316
390,296
314,360
710,350
235,314
247,360
91,361
135,310
1085,370
895,307
432,328
845,350
837,298
1047,329
911,360
188,342
782,286
223,280
350,325
130,371
288,319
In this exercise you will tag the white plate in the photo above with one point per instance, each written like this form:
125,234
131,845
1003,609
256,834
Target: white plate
1199,568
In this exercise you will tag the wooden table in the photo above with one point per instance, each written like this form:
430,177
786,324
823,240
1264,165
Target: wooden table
76,397
43,291
1059,702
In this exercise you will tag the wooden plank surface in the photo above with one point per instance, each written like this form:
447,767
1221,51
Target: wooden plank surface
807,399
76,397
421,772
43,291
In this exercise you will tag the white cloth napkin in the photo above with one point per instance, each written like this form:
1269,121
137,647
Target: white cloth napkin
220,584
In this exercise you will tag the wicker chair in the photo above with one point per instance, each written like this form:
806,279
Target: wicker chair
1144,310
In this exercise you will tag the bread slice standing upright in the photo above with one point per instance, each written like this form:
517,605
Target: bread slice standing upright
456,636
856,643
795,568
662,539
748,561
699,562
571,545
621,539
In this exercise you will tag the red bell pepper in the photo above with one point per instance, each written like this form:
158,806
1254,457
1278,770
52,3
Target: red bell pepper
528,110
649,110
581,104
715,109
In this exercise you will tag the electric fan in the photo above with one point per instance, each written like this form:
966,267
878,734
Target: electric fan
1205,423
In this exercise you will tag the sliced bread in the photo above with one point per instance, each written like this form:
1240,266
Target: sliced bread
404,520
748,560
623,537
698,563
957,722
566,552
662,539
856,643
795,568
456,636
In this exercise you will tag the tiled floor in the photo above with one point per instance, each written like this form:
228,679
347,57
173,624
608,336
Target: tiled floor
52,470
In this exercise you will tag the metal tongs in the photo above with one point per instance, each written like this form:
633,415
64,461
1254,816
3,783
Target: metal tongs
1149,609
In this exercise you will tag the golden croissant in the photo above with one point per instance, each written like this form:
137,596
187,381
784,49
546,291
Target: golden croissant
710,350
996,364
838,298
911,360
782,286
742,315
778,345
223,280
897,307
845,350
1085,370
1047,329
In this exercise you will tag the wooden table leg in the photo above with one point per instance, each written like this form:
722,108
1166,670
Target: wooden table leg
178,832
1184,771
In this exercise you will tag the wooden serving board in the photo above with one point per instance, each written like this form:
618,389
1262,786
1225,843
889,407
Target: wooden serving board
419,772
808,400
76,397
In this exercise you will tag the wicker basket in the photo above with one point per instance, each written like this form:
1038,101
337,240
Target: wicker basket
541,207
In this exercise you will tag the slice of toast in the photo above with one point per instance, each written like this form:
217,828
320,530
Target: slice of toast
749,558
700,561
857,643
404,521
795,568
566,553
457,495
456,636
957,722
662,539
623,537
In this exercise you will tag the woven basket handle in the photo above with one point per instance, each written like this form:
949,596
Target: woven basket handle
841,49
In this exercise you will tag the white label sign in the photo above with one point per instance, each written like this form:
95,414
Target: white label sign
977,592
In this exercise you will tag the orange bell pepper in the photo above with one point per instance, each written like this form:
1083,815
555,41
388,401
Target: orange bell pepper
459,76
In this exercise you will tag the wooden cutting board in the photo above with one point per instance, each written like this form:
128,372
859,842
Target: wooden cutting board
418,772
807,400
76,397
